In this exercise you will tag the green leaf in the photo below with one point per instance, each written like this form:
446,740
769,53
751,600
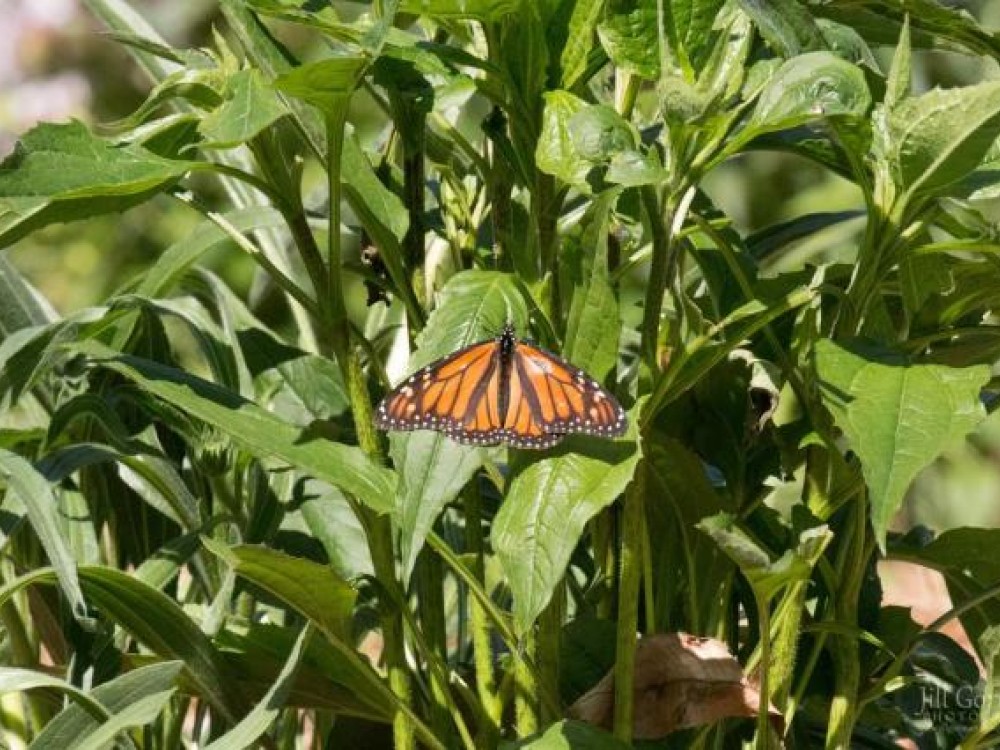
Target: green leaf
767,577
311,589
63,172
477,10
897,86
326,84
786,25
73,723
810,87
257,430
16,680
34,492
252,727
941,136
593,323
598,132
631,40
546,510
569,735
555,153
250,106
474,305
138,713
579,40
897,417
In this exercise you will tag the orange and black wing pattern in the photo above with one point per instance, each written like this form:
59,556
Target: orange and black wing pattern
458,395
550,397
503,390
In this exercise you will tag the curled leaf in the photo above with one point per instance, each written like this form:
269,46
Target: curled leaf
681,681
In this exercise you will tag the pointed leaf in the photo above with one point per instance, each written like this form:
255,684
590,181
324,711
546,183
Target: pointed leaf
474,305
34,492
546,510
73,722
62,172
311,589
941,136
898,417
252,727
250,106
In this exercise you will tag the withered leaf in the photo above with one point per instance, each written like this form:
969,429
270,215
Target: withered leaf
681,681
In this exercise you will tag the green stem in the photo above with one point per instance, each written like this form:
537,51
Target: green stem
548,638
851,562
630,559
430,608
657,285
763,739
526,688
486,685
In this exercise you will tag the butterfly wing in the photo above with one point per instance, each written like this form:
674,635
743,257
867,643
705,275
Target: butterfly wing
458,395
549,398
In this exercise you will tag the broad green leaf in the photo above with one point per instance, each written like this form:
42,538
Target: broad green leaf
593,323
326,84
810,87
989,713
250,107
897,416
252,727
257,430
311,589
547,506
138,713
579,40
598,132
569,735
631,40
786,25
634,169
34,492
767,577
73,722
474,306
941,136
555,153
63,172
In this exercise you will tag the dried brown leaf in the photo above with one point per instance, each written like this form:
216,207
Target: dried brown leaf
681,681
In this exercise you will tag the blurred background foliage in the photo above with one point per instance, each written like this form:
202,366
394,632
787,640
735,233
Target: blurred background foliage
57,64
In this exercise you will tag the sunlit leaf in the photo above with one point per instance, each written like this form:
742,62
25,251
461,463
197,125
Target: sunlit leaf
897,416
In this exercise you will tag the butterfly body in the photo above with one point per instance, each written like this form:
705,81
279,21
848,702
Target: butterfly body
502,390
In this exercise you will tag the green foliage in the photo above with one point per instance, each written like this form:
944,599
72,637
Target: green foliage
203,530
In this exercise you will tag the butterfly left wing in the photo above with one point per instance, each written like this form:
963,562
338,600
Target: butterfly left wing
457,395
550,397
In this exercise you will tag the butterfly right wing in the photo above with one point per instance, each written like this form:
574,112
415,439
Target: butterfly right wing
457,395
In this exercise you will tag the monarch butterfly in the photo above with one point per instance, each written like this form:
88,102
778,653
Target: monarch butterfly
502,390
